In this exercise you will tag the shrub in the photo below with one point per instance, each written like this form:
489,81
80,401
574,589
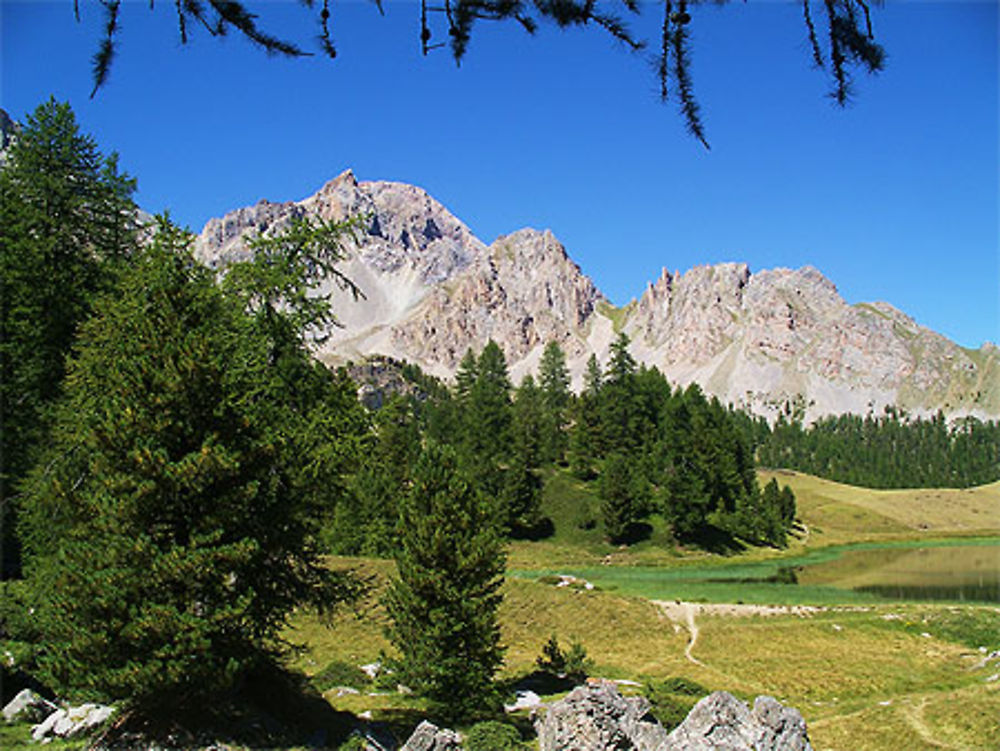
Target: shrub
683,686
492,736
338,673
672,699
573,664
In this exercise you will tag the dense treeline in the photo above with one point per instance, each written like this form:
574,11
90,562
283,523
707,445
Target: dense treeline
647,447
888,451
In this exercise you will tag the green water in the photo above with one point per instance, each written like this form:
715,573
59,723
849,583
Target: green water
965,570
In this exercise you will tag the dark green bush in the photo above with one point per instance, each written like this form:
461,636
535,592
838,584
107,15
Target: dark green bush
492,736
672,699
683,686
670,711
338,673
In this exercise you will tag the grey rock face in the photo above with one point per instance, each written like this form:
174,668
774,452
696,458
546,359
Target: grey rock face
28,706
721,722
768,341
595,717
429,737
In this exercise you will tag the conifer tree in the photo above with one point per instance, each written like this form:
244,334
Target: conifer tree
171,527
465,377
366,523
622,497
66,219
619,424
443,607
523,485
554,380
487,421
593,378
788,510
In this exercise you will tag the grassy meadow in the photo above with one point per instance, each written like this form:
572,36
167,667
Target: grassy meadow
866,673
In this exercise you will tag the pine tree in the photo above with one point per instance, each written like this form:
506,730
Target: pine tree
593,378
585,434
619,505
366,524
66,217
443,607
523,486
487,421
620,429
465,378
787,505
554,381
170,529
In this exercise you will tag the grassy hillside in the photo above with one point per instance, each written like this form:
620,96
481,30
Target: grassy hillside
837,513
866,674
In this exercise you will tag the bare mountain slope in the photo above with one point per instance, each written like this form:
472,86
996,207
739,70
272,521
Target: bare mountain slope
770,340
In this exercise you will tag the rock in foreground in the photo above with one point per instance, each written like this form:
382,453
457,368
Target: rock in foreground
721,721
428,737
596,717
28,706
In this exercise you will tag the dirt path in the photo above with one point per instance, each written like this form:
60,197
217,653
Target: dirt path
685,614
914,716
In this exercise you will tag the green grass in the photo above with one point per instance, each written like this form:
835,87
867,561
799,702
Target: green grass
617,316
865,673
848,513
838,666
747,581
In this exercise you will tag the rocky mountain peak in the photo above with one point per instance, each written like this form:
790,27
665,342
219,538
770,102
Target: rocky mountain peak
769,340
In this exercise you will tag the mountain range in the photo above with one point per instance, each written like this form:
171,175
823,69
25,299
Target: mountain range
771,341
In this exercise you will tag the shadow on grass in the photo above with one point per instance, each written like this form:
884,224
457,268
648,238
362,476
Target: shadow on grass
542,683
715,540
272,708
540,530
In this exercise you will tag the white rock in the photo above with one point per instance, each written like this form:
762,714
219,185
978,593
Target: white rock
523,699
28,706
66,723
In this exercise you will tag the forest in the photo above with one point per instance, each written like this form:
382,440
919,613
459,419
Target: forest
177,466
892,450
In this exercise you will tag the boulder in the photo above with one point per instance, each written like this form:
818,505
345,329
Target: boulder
28,706
721,722
429,737
66,723
596,717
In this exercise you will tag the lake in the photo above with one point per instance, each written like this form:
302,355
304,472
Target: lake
952,572
965,570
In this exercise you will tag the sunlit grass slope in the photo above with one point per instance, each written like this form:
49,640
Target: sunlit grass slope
839,513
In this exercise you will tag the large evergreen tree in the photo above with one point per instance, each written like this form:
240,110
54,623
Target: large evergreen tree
487,421
523,485
618,403
171,527
444,604
623,497
553,376
66,217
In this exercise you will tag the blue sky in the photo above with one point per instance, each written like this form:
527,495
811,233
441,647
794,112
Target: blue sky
894,198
